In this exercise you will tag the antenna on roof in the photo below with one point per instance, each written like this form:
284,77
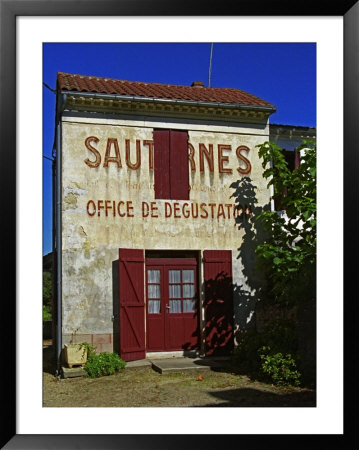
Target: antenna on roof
210,66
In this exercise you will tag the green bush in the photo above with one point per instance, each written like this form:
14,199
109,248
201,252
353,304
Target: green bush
278,338
46,287
46,296
281,368
46,313
245,355
281,336
103,364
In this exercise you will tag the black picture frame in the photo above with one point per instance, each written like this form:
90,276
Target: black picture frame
9,10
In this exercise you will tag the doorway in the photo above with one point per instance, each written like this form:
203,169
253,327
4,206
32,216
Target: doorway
172,303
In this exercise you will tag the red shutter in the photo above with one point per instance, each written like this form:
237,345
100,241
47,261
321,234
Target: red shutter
218,301
161,145
132,304
171,173
296,159
179,176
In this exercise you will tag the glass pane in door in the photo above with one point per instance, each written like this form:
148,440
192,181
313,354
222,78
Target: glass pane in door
154,306
188,275
175,306
153,276
189,305
174,276
174,290
153,291
188,290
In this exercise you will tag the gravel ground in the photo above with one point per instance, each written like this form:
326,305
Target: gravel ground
143,387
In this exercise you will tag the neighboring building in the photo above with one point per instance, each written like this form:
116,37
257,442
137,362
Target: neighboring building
152,185
289,138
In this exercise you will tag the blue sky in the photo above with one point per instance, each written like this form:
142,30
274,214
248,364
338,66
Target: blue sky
283,74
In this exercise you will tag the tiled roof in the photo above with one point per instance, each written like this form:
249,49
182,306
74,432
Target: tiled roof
84,83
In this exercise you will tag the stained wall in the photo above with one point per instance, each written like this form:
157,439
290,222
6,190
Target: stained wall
108,202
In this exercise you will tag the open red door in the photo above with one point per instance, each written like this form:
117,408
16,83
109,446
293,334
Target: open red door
132,304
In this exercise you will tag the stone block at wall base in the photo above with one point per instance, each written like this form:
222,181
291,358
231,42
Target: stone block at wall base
101,339
80,338
103,348
101,342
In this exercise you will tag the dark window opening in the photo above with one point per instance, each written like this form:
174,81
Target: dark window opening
293,160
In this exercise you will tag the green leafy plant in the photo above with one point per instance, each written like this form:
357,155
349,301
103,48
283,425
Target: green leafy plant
281,368
288,255
103,364
88,348
245,355
46,313
46,296
46,287
278,337
281,336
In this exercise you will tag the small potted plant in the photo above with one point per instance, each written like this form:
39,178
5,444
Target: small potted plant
76,354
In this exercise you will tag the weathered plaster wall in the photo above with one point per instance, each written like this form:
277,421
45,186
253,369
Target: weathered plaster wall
90,242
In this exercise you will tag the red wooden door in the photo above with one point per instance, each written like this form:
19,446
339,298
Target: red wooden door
218,301
132,304
172,304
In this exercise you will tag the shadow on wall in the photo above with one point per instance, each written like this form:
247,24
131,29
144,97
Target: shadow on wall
195,339
246,295
219,315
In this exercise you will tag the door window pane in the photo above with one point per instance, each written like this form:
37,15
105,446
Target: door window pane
153,276
188,276
154,291
154,306
174,290
189,305
174,276
175,306
188,290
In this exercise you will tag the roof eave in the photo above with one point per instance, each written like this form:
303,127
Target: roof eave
128,104
270,109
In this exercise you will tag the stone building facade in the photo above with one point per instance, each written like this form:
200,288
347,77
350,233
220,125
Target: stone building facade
156,186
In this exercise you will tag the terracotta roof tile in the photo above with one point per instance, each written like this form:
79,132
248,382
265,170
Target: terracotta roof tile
84,83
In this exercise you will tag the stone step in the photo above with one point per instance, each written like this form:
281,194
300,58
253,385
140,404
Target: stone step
138,363
178,365
73,372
